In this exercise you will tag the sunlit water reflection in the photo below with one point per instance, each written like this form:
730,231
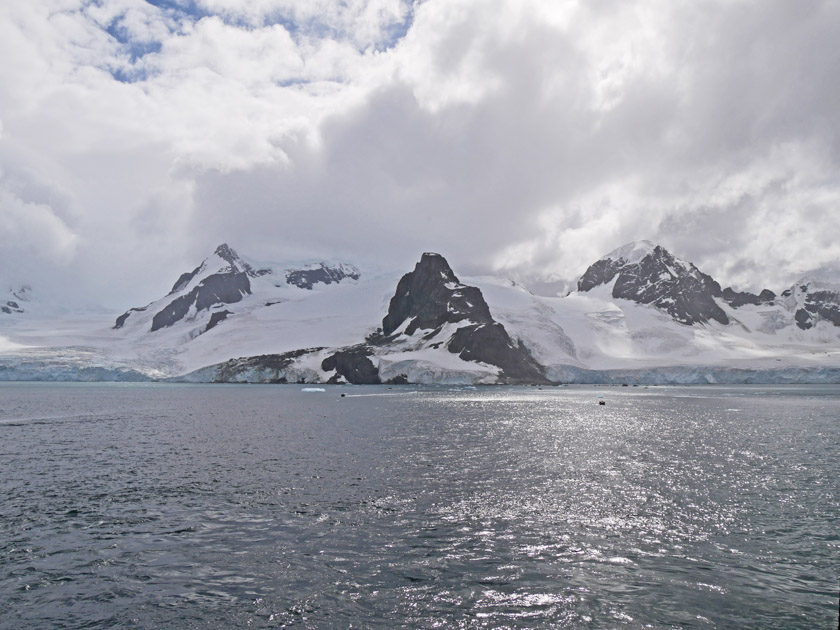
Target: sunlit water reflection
154,506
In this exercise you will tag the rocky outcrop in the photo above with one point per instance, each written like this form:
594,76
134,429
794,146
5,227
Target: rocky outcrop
224,281
736,299
216,318
648,274
431,297
600,272
184,280
814,304
122,318
490,343
321,273
353,366
266,368
220,288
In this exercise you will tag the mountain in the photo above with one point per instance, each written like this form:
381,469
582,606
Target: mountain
640,314
201,295
648,274
435,329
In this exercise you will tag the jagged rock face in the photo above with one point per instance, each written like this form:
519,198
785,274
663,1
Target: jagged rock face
220,288
325,274
490,343
600,272
736,299
354,365
431,296
184,279
227,254
216,318
818,306
227,286
660,279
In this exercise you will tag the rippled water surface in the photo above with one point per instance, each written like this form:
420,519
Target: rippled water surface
167,506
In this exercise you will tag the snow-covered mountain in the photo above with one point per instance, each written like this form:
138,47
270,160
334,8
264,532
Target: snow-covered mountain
640,314
200,297
436,330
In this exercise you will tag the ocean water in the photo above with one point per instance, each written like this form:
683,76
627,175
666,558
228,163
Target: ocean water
235,506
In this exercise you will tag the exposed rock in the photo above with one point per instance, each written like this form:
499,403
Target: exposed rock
122,318
184,279
354,365
431,296
220,288
266,368
175,311
819,306
649,274
216,318
737,299
322,273
600,272
490,343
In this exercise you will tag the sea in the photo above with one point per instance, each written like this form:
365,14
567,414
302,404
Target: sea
285,506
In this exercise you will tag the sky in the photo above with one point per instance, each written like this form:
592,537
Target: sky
519,138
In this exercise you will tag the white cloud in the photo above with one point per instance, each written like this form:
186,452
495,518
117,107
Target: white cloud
519,136
32,233
363,22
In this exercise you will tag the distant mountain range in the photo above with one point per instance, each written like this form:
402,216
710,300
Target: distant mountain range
639,315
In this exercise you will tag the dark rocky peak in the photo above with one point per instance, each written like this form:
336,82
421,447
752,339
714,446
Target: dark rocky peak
321,273
223,285
737,299
227,253
649,274
431,296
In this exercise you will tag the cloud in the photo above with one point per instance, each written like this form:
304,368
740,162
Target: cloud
33,236
516,137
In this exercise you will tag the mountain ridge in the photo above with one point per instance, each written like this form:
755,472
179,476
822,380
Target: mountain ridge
638,308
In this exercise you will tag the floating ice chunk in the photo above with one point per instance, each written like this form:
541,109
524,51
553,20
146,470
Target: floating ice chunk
313,389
